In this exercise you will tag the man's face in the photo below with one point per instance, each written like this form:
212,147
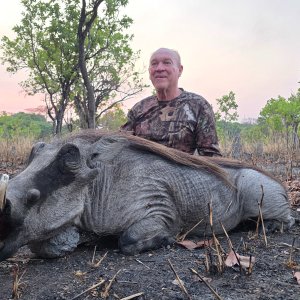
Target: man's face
164,70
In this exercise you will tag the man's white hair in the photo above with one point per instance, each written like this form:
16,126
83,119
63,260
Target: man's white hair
174,52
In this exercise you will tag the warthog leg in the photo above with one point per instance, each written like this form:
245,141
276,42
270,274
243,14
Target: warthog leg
64,242
149,233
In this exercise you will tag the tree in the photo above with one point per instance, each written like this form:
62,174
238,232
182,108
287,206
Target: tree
294,109
227,108
84,28
226,115
48,45
113,119
44,46
283,114
22,124
113,61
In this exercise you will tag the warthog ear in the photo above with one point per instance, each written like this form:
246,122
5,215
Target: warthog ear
69,158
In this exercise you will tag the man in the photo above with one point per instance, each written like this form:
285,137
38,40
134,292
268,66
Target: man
173,117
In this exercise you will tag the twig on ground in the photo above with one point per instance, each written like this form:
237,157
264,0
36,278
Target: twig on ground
106,292
238,260
89,289
220,264
290,262
261,215
245,247
16,282
232,248
206,262
207,284
142,263
182,237
94,253
133,296
257,225
179,281
22,260
97,264
288,245
250,265
227,236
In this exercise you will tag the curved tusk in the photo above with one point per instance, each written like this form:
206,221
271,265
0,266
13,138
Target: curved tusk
3,186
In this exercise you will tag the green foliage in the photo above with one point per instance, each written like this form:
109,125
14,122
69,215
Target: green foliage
227,108
226,116
111,61
44,46
113,119
232,128
252,132
274,113
22,124
283,115
47,47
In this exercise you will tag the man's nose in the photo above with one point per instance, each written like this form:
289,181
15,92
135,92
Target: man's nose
160,67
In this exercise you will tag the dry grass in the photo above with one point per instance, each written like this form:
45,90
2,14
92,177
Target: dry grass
274,155
14,153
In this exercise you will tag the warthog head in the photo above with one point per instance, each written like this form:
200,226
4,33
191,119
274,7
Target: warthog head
46,197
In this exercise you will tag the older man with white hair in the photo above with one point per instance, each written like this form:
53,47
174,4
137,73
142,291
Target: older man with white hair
173,117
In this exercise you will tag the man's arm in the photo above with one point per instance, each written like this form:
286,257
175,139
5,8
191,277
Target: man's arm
129,125
206,134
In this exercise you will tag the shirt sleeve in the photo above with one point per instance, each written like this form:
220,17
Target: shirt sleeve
206,134
129,125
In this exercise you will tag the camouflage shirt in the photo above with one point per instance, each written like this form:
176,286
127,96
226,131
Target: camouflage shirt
186,123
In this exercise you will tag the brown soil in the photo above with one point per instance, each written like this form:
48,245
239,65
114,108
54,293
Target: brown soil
152,275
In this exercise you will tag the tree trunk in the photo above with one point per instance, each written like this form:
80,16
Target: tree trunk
59,122
295,136
82,112
84,27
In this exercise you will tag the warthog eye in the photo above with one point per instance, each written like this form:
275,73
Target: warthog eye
94,156
91,161
35,149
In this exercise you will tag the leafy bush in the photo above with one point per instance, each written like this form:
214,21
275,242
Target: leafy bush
25,125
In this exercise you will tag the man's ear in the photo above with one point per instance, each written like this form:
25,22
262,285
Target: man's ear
180,70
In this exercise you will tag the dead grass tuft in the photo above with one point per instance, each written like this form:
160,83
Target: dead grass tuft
15,151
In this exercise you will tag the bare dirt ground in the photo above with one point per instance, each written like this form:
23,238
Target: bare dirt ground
108,274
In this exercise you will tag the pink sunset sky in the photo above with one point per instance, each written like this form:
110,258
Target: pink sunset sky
249,47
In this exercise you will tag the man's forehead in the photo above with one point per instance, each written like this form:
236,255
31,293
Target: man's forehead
163,54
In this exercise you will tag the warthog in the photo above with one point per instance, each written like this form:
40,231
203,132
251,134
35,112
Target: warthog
142,192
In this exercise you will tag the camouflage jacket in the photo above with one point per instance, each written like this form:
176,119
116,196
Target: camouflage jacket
186,123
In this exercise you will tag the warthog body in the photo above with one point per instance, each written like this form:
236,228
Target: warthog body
123,185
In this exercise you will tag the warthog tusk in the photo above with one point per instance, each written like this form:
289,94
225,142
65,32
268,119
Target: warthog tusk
3,186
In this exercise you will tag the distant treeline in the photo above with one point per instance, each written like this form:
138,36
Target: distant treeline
23,124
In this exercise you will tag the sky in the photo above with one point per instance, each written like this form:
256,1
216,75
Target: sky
250,47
